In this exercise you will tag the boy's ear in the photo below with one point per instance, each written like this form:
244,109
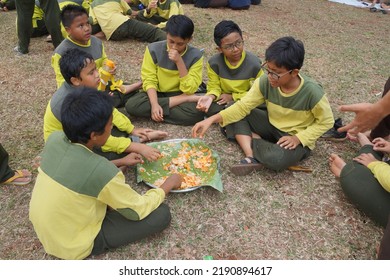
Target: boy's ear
75,81
92,136
67,29
219,49
295,72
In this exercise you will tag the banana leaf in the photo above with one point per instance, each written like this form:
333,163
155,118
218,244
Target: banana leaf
189,157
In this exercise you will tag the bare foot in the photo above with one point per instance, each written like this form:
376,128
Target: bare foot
20,177
126,89
363,139
156,135
336,164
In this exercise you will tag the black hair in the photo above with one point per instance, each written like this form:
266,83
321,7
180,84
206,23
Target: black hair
180,26
72,62
85,110
223,29
70,12
286,52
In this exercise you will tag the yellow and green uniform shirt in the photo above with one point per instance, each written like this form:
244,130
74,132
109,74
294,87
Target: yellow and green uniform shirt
52,121
63,3
305,113
94,47
165,9
236,80
160,73
109,14
69,201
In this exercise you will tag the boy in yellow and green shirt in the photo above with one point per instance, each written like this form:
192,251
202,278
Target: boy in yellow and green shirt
90,208
231,72
76,22
79,70
157,12
297,112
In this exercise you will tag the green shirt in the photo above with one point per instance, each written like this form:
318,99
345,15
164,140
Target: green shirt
305,112
69,201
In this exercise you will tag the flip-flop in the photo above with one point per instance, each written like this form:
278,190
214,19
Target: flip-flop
18,174
300,168
246,166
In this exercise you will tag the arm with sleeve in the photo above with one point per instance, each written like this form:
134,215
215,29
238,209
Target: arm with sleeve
190,83
323,121
381,171
244,106
133,206
119,144
149,72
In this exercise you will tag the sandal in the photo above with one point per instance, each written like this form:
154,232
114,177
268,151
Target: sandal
18,174
246,166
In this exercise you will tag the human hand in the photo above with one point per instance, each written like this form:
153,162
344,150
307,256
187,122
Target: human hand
174,55
381,145
204,103
200,128
157,113
150,153
365,159
172,182
367,116
113,70
132,159
225,99
289,142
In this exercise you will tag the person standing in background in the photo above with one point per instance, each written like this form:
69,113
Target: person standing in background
25,10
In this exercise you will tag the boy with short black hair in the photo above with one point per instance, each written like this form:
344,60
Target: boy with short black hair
79,70
230,73
297,112
75,20
171,73
91,208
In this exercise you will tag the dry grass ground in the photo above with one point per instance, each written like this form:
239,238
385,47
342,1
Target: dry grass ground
264,215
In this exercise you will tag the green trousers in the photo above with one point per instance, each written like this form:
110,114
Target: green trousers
183,114
363,189
118,231
134,29
155,19
5,171
265,150
25,10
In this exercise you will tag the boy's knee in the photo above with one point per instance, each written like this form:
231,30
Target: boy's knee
270,155
161,217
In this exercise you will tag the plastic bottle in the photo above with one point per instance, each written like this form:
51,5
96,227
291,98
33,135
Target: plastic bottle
105,75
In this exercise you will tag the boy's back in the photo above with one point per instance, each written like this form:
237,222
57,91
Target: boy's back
71,171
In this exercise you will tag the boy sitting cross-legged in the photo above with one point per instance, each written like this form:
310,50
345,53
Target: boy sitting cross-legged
79,70
230,73
296,114
171,73
81,204
75,20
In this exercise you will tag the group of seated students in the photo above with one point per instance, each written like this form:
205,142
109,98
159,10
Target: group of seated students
93,142
272,110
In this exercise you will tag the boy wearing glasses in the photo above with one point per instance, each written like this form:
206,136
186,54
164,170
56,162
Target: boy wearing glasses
171,73
231,72
297,112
